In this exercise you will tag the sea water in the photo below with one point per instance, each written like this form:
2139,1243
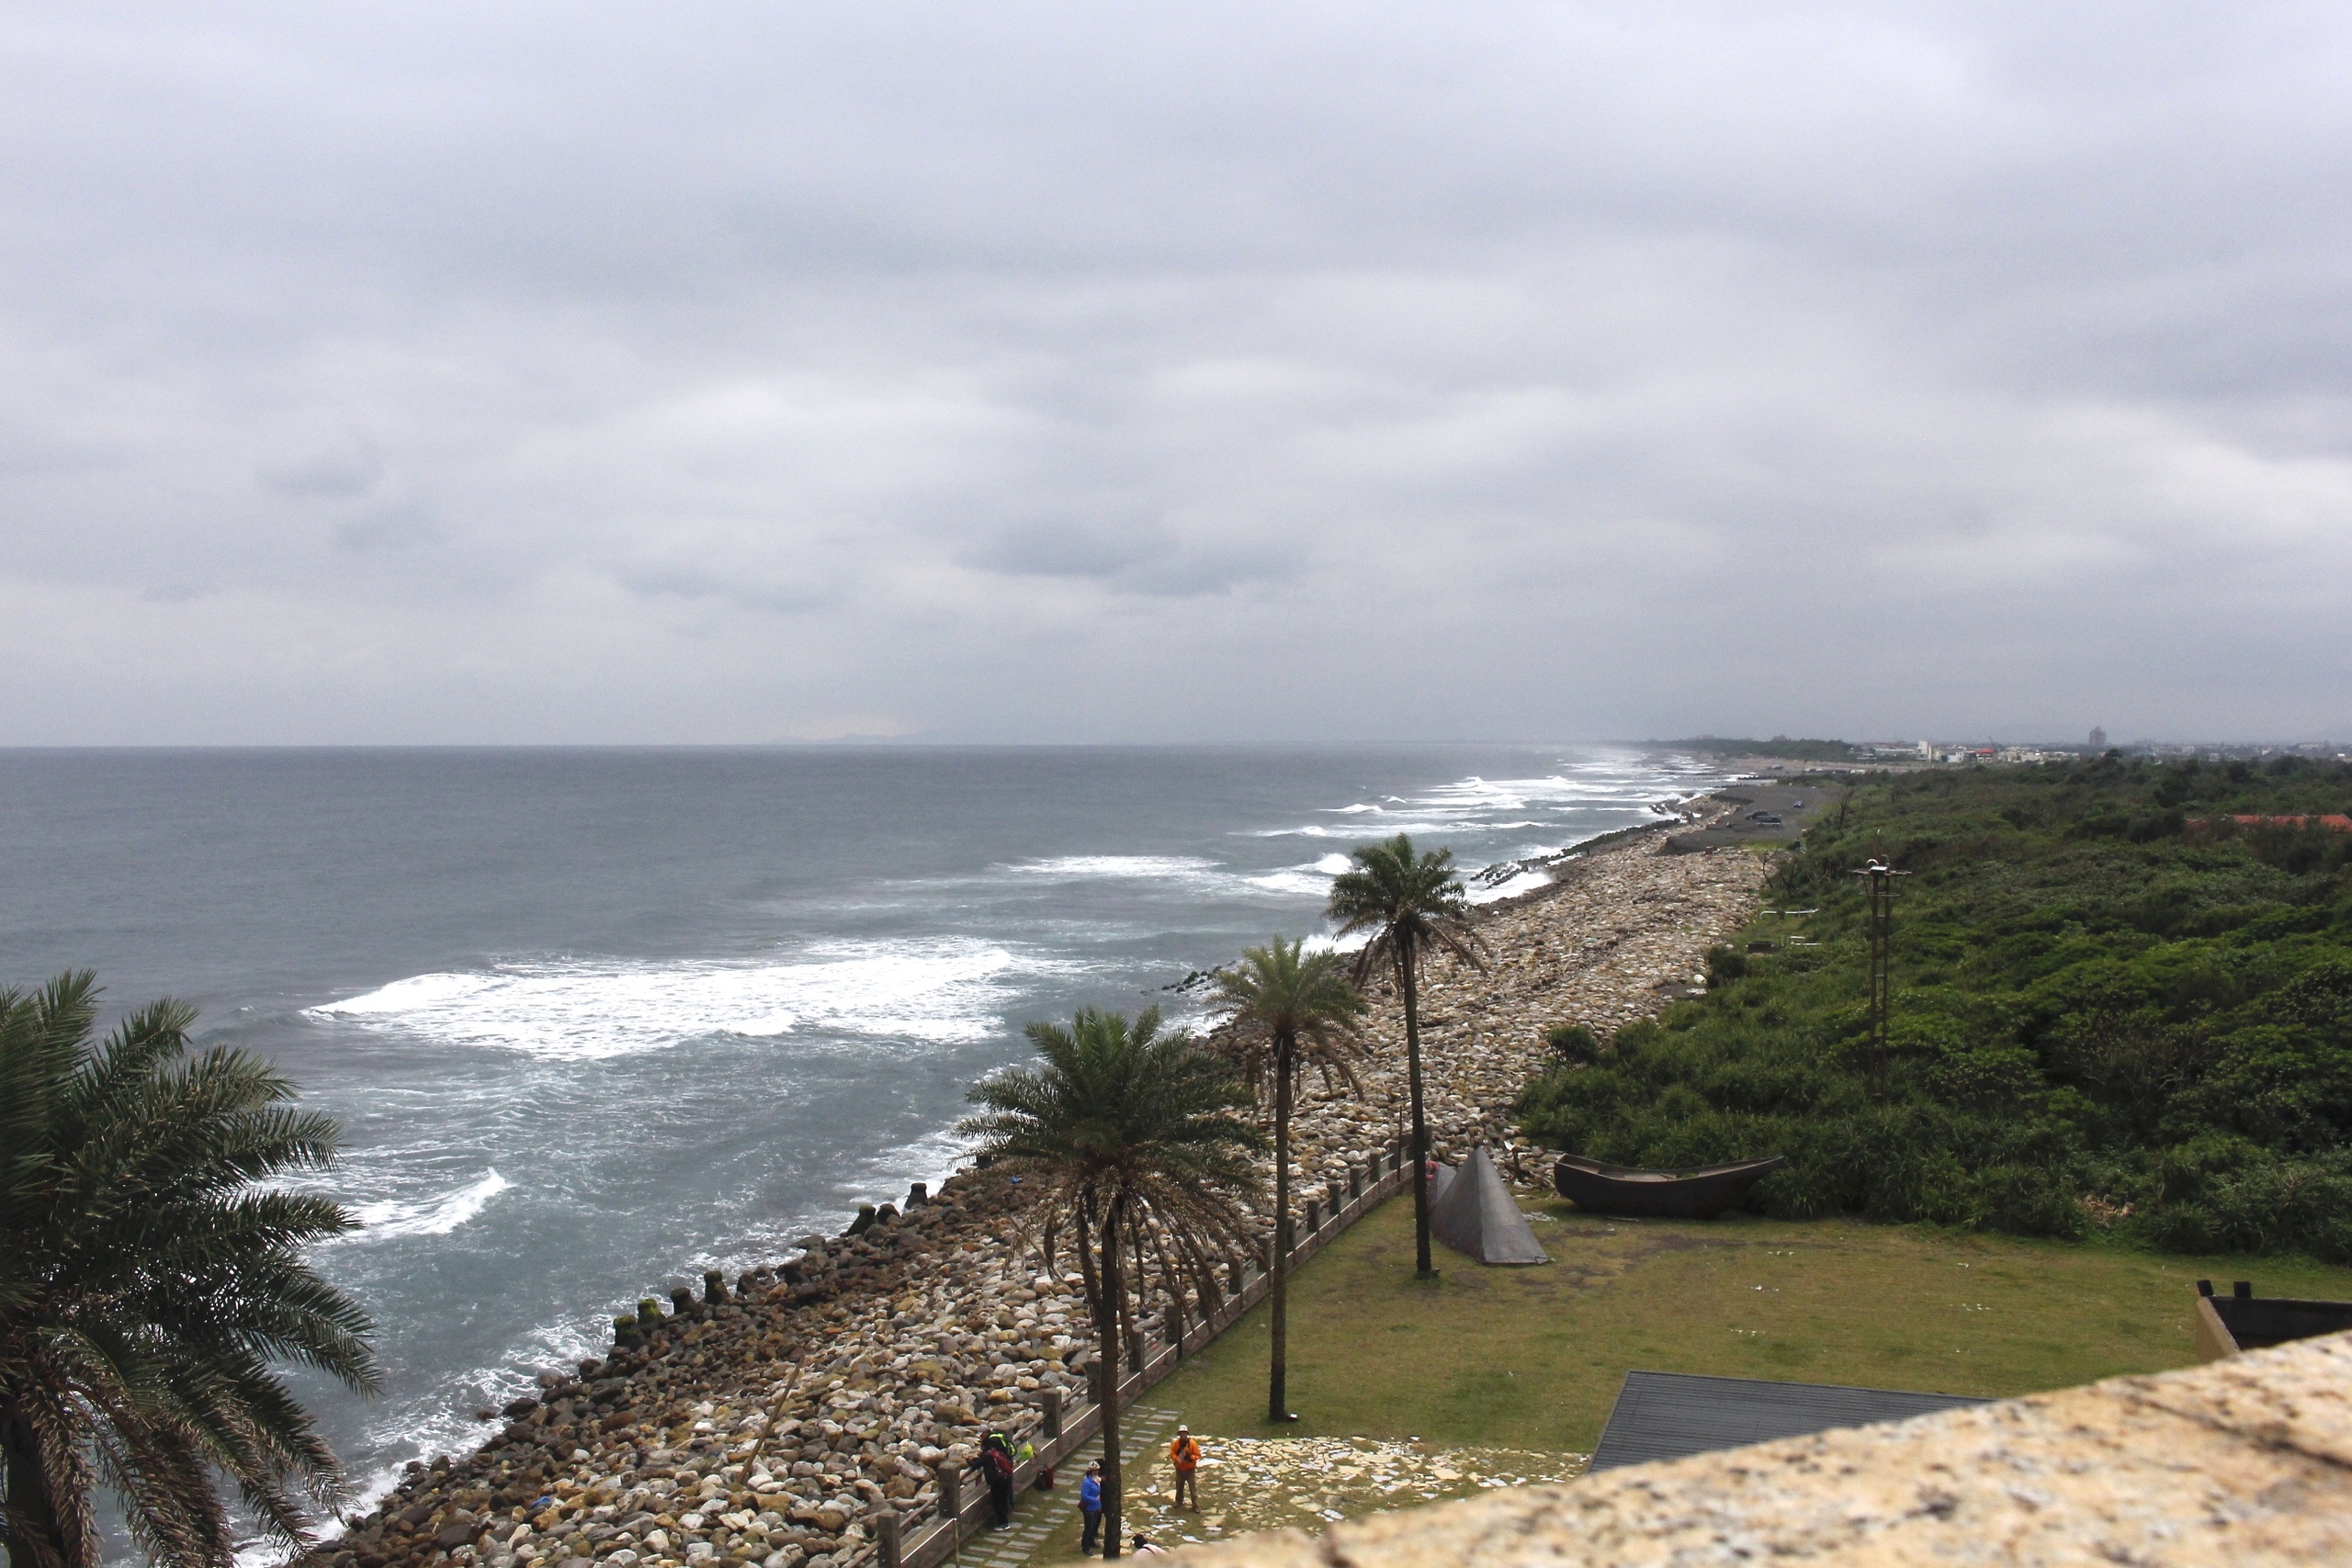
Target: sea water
596,1020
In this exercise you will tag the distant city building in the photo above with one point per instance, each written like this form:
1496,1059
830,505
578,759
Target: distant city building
2098,738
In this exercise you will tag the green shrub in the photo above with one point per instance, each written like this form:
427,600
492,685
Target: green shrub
2097,1009
1573,1045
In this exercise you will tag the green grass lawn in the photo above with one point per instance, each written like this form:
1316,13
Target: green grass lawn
1531,1358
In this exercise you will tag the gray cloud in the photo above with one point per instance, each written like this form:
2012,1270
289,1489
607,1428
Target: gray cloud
1239,372
353,468
1142,558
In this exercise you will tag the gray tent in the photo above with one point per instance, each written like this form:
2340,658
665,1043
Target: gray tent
1472,1211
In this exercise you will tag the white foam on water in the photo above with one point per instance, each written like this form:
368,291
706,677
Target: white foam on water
1313,879
1324,831
1618,784
1305,882
1127,868
1206,877
406,995
1322,942
389,1217
945,992
1510,887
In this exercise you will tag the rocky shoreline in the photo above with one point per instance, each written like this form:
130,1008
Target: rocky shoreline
774,1422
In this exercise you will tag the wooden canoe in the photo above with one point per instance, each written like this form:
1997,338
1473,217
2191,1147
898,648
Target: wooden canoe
1697,1194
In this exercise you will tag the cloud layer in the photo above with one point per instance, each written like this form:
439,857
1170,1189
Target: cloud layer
737,372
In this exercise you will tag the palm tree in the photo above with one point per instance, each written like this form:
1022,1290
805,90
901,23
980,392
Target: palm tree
1119,1125
148,1280
1410,904
1291,1008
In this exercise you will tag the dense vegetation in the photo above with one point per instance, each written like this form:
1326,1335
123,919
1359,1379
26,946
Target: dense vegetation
1778,746
2113,1010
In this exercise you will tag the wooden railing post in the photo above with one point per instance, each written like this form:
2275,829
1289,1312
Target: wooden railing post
886,1528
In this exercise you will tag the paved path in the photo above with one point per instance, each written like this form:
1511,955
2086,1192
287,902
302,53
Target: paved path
1143,1429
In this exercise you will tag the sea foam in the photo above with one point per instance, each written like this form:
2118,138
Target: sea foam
943,992
388,1217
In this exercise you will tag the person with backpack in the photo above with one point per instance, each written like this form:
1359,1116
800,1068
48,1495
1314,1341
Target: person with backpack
994,1463
1090,1505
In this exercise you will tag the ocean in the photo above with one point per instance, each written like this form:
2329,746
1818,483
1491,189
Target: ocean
594,1021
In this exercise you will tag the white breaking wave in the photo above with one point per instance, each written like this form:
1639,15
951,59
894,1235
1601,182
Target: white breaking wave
1511,887
438,1217
1313,879
945,992
1212,878
1383,830
1477,805
1126,868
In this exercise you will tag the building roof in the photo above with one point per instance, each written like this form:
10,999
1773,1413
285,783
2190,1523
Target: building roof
1668,1414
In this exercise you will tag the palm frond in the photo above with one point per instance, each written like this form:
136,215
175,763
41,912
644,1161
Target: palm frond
150,1285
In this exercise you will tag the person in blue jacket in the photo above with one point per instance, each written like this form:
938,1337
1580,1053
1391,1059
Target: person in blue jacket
1089,1505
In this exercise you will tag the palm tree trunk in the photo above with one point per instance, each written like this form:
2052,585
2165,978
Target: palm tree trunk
1408,982
28,1500
1278,1287
1106,1355
1171,1279
1131,1324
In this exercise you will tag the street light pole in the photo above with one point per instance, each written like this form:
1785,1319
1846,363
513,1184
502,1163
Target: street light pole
1878,890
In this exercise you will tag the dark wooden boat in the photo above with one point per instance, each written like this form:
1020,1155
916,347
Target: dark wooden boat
1697,1194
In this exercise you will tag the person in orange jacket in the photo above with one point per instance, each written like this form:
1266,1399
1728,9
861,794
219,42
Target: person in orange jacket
1184,1457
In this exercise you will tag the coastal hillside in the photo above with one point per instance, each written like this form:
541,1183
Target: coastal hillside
2121,1003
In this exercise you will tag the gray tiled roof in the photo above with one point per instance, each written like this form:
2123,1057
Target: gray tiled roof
1668,1414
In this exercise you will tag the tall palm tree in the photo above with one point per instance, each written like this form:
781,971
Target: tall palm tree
1411,905
1291,1008
148,1279
1119,1125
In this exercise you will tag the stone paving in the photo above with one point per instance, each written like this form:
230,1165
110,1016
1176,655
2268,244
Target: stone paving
1143,1430
1261,1483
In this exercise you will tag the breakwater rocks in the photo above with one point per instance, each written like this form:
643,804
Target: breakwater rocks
1618,932
782,1421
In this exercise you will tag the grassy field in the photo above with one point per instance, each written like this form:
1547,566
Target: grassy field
1475,1371
1531,1358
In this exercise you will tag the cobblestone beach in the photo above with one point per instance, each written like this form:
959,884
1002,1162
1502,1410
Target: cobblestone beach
772,1421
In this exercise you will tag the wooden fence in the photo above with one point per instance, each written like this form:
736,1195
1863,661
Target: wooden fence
1058,1434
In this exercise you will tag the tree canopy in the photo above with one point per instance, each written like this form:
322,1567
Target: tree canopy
150,1274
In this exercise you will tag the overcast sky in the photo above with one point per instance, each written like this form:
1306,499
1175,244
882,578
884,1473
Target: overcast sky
436,372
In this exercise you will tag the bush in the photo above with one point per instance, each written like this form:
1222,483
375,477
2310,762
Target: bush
2094,1010
1574,1044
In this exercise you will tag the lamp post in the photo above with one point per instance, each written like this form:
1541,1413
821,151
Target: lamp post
1878,890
